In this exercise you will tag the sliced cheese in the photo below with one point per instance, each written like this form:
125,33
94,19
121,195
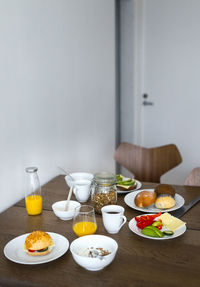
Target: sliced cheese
171,222
126,186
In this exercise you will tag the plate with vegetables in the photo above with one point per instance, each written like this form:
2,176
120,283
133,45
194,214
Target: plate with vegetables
125,184
157,226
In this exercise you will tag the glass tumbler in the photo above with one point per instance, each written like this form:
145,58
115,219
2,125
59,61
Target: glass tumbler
84,222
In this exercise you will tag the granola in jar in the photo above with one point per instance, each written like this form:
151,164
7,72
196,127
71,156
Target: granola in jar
104,191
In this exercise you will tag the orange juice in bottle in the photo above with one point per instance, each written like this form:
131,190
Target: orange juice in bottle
33,197
34,204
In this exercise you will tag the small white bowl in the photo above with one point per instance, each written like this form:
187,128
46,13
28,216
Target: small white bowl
59,209
88,241
78,176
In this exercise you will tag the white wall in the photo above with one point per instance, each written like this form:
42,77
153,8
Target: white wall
57,89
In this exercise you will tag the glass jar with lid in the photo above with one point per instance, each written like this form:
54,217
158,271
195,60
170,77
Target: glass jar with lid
104,191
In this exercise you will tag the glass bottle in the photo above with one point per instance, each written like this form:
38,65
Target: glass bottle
33,197
104,191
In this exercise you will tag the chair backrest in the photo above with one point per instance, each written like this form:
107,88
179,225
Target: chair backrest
194,177
147,164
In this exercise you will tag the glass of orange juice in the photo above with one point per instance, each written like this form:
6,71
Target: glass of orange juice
84,222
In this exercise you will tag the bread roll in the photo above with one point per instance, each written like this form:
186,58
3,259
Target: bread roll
165,189
164,202
145,198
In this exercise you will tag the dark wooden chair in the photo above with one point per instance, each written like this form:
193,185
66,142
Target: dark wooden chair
194,177
147,164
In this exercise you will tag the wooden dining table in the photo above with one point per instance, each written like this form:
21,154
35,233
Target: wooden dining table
139,261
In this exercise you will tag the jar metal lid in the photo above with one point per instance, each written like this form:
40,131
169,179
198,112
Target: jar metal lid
104,178
31,169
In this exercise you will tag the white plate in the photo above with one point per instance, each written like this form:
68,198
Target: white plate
129,200
14,250
133,227
138,186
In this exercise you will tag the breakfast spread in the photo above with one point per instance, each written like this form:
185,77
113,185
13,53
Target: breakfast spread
38,243
124,183
154,226
162,197
158,225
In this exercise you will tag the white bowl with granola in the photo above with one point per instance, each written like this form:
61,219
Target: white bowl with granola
94,252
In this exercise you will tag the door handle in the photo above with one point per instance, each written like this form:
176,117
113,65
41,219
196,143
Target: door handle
146,103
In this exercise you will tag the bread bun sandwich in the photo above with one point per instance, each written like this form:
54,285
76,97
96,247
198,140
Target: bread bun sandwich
125,184
127,188
145,198
165,196
38,243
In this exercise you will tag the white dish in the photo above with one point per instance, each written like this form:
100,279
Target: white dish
59,209
14,250
95,241
129,200
133,227
138,186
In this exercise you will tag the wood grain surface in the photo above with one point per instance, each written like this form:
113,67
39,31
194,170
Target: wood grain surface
139,261
148,164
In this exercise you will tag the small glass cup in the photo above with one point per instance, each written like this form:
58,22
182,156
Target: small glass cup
84,222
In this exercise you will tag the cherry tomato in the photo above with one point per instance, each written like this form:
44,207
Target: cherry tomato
159,227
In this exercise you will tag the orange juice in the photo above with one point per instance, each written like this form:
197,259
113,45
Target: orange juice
84,228
34,204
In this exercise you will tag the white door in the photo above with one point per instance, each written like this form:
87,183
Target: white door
169,73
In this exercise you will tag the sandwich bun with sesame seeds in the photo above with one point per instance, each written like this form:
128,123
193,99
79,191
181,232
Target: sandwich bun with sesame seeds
38,243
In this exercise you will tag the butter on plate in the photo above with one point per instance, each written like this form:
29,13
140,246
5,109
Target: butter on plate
171,222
